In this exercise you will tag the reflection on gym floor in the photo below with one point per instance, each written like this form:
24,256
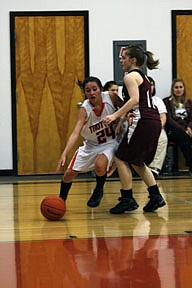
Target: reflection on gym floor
91,247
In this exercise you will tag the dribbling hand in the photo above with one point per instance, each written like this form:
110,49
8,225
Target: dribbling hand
61,163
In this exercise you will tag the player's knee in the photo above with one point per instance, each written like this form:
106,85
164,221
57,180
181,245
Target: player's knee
100,168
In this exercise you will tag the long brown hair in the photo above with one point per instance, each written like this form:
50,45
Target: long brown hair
138,52
183,99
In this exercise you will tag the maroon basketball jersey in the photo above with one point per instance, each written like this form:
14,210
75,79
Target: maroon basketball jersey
140,148
146,107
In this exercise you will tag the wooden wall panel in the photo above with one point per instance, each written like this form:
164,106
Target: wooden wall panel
49,61
184,50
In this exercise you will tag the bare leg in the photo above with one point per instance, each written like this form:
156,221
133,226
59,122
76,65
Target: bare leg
66,183
125,174
145,173
101,163
69,175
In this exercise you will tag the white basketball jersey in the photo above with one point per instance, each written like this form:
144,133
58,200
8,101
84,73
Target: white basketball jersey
94,130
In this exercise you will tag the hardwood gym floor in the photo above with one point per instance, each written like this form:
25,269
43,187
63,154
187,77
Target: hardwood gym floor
90,248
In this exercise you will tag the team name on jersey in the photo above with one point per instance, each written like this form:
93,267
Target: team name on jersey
97,126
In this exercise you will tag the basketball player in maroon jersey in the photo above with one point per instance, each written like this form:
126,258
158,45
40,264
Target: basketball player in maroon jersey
138,146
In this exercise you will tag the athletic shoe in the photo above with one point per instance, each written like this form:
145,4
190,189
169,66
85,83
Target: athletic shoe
111,169
155,202
95,198
125,205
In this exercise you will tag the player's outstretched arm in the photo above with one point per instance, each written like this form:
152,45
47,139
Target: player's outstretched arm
73,138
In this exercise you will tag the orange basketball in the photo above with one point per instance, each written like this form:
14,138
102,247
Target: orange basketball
53,207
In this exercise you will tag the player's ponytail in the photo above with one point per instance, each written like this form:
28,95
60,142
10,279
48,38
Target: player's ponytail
151,63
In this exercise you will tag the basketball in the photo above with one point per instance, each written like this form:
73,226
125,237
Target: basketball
53,207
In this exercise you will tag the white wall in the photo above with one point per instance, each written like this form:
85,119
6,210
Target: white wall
109,20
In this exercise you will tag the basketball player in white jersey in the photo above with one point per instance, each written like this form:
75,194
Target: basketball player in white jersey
100,142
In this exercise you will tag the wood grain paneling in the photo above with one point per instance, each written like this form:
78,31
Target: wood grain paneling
49,61
184,50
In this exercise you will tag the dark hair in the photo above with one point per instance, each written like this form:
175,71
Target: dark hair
138,52
80,84
151,80
91,79
109,84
